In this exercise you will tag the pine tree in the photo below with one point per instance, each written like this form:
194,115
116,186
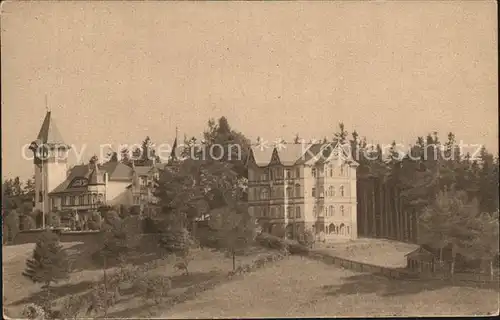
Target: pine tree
49,263
125,157
341,135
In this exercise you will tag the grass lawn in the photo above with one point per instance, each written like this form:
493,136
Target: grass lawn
294,287
299,287
20,291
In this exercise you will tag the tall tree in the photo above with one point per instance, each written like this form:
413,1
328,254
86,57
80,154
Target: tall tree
341,135
225,144
29,187
17,187
297,139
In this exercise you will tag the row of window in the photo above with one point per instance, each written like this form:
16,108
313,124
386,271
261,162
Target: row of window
331,192
277,192
278,173
83,199
341,229
328,211
295,191
319,172
277,212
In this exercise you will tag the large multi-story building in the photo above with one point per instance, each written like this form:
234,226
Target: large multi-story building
85,187
295,187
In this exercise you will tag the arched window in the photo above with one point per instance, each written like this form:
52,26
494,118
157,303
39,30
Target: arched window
347,229
289,192
331,211
331,228
313,171
101,198
342,210
290,214
342,229
81,199
297,212
342,191
326,229
330,191
331,171
297,173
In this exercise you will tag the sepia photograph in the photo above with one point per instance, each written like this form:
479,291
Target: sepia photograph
249,159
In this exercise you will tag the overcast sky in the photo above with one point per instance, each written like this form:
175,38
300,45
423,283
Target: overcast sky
115,72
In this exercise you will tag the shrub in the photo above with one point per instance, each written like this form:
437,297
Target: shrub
286,246
270,241
296,248
307,239
95,221
112,218
28,223
149,225
101,298
53,220
11,225
154,287
33,311
176,241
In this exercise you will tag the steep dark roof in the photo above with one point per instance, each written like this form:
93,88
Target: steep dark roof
49,133
290,154
117,171
79,171
143,170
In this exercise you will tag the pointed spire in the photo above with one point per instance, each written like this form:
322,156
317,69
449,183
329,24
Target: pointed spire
174,147
49,133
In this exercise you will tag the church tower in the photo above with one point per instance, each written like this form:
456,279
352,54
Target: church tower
50,162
